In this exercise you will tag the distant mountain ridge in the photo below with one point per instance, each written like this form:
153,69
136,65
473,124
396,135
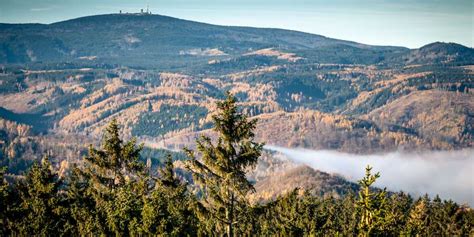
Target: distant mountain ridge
160,77
155,40
440,52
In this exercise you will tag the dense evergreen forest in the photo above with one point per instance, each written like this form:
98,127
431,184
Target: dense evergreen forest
114,193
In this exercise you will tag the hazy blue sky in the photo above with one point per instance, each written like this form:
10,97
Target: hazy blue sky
410,23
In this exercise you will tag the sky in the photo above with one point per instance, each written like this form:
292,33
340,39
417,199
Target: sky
409,23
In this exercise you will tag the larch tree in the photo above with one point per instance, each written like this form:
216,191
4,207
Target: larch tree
220,166
418,217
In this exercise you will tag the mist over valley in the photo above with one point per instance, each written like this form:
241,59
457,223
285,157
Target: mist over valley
79,97
447,173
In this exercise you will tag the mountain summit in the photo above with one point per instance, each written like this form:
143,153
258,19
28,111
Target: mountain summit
132,39
146,40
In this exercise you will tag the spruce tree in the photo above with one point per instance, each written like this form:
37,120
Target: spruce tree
40,202
110,174
168,210
124,210
82,205
219,167
400,204
116,161
372,205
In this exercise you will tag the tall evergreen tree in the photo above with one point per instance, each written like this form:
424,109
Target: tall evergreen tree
40,202
168,210
372,205
116,161
82,206
110,173
220,166
398,211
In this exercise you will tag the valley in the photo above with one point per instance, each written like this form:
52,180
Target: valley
160,77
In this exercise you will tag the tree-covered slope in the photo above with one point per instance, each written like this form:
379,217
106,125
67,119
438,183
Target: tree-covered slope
151,40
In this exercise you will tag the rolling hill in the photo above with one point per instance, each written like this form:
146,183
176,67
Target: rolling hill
160,77
165,42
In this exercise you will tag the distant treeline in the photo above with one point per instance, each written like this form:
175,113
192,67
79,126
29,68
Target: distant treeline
114,193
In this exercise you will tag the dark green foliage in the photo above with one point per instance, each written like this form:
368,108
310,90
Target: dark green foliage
115,193
160,42
170,205
289,215
372,206
240,63
325,91
39,210
116,161
111,174
82,205
346,54
298,214
220,167
169,118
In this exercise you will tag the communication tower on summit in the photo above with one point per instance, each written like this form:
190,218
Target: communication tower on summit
141,12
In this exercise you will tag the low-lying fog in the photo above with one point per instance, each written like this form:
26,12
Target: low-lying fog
447,173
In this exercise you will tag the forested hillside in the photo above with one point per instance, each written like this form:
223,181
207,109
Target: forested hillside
113,192
160,81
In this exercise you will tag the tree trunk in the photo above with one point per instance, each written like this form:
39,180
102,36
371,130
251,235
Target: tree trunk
230,217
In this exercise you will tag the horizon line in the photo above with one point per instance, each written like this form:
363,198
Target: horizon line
149,13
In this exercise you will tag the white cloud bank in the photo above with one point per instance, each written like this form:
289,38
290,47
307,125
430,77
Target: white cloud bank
447,173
